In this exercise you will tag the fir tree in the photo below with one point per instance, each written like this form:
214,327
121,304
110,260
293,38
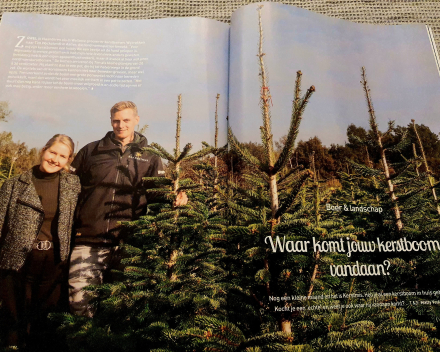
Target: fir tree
397,184
379,139
267,172
269,167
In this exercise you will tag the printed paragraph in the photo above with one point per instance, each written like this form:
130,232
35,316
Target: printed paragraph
55,63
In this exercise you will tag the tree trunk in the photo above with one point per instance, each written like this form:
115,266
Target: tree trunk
396,210
312,279
173,240
425,163
273,195
285,325
377,134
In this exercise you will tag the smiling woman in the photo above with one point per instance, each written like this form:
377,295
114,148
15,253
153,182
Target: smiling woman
36,210
56,156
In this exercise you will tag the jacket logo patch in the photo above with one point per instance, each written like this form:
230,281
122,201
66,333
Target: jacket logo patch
136,157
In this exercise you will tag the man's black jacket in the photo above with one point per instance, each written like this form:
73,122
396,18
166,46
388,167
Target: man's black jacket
112,187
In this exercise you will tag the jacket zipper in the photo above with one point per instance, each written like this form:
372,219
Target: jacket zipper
114,191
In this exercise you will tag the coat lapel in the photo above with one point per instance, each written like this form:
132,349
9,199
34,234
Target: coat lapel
63,201
65,197
29,195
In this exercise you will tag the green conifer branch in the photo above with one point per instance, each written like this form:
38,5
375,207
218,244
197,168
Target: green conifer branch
293,192
185,151
295,122
159,180
365,170
366,142
201,153
404,143
156,149
242,152
290,175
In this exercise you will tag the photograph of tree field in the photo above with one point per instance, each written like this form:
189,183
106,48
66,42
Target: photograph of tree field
286,244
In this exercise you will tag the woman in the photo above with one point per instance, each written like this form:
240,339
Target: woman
36,214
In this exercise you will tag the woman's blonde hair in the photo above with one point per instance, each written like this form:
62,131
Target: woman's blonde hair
60,138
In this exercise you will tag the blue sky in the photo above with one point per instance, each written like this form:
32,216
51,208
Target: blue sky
401,72
190,56
187,56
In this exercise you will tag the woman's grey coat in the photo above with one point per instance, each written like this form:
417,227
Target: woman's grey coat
21,216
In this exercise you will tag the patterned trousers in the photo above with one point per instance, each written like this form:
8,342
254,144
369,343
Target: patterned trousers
89,266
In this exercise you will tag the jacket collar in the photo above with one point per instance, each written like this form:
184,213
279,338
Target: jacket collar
26,177
107,144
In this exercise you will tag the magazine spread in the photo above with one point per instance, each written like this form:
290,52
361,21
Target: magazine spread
307,146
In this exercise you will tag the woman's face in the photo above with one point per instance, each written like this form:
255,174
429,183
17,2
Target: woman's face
55,158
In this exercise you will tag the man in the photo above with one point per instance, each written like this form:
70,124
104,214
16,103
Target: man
111,172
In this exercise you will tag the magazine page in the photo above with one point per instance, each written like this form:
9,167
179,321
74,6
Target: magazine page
60,230
63,74
348,155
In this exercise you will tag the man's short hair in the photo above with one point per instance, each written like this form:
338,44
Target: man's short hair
122,105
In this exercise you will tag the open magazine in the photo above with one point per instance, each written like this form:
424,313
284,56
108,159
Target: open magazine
317,228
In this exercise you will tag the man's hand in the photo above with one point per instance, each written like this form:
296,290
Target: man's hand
181,199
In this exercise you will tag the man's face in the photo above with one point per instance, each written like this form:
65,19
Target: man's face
123,123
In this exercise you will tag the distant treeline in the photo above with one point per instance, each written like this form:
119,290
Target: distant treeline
329,161
16,157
